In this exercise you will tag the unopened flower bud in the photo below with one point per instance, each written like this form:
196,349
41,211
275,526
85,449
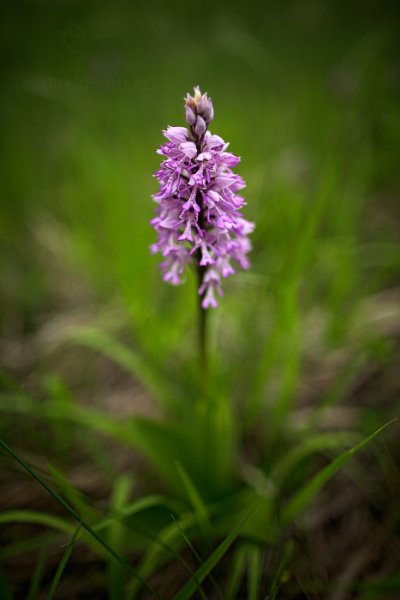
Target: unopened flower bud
200,126
208,111
201,105
190,115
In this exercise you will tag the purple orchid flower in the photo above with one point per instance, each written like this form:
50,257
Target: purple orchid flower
198,218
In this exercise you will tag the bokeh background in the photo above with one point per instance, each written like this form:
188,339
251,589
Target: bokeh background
307,92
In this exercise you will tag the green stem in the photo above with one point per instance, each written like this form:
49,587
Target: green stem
202,327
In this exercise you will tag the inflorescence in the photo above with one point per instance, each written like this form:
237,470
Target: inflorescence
198,214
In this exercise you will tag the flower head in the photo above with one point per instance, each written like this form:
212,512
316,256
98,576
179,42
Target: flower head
198,218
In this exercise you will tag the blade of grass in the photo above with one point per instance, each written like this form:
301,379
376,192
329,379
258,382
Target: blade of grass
254,572
62,564
220,446
280,571
38,518
116,536
38,574
59,395
236,573
195,499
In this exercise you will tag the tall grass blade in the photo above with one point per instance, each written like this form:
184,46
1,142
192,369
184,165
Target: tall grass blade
280,571
37,518
62,564
254,560
195,499
38,574
236,573
116,536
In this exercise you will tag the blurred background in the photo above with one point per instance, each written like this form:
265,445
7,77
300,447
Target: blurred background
307,93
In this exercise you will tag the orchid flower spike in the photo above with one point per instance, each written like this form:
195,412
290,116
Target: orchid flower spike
198,214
